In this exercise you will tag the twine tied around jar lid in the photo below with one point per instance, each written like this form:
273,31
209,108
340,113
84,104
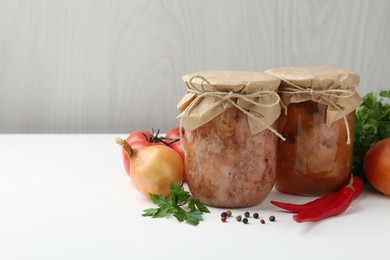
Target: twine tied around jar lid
324,94
338,93
330,86
230,97
216,101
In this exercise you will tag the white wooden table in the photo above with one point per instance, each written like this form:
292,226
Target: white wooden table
68,197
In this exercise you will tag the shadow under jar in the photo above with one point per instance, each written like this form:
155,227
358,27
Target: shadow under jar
230,160
316,157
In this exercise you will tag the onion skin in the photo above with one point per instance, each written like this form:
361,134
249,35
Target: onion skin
377,166
154,168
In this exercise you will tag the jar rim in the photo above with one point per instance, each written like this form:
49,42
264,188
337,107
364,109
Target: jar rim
233,80
317,76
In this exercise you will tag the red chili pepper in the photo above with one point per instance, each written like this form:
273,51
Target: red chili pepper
357,185
324,200
337,207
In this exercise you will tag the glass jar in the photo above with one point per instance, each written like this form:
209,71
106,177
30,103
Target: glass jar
318,125
230,158
314,159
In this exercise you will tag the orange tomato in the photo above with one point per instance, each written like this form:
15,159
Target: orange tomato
377,166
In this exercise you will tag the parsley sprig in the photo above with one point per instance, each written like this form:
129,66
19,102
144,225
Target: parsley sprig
173,206
372,125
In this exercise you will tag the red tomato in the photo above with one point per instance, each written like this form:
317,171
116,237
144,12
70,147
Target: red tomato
137,140
177,146
377,166
175,134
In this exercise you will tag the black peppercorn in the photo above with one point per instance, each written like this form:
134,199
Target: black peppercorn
224,214
256,215
247,214
272,218
245,221
229,213
239,218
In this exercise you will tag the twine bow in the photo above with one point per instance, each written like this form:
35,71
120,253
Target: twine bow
325,94
232,98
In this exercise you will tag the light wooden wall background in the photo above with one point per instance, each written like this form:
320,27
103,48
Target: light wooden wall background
104,66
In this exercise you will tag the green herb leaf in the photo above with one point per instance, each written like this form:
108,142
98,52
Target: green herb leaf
200,206
173,206
371,125
180,195
162,212
193,217
150,212
191,204
180,214
158,199
385,93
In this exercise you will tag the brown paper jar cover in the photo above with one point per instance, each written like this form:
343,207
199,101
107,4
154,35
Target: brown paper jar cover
316,156
261,86
342,82
230,157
